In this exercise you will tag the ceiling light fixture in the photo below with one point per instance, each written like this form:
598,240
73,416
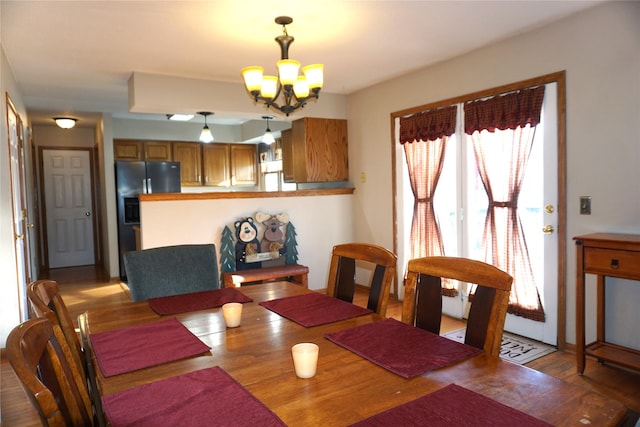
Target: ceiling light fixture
180,117
206,136
296,90
268,138
65,122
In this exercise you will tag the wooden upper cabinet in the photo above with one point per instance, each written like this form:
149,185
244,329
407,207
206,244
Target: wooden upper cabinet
158,151
215,161
287,156
317,151
127,149
134,150
190,158
244,164
212,165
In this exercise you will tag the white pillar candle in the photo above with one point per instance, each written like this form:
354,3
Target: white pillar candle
305,359
232,313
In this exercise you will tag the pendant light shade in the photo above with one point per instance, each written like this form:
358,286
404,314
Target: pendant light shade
206,136
268,137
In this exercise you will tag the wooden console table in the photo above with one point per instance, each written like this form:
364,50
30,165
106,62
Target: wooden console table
604,254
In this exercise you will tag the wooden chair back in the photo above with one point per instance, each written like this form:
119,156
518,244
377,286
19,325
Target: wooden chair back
46,301
37,352
422,305
342,273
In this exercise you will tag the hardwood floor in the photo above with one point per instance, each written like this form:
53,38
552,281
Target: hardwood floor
85,287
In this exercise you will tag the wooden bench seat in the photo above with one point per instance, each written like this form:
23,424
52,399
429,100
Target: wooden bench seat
294,272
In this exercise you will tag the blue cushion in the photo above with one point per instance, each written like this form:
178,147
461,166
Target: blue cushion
171,270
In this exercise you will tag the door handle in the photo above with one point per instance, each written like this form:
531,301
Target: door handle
19,236
87,213
548,229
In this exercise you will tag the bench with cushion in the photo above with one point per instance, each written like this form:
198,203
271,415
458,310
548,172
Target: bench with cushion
171,270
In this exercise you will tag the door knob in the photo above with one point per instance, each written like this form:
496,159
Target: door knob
87,213
548,229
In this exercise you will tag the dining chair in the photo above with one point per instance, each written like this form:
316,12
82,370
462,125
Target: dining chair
37,352
46,301
422,305
171,270
342,273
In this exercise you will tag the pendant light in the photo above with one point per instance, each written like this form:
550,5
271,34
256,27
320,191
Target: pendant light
206,136
268,138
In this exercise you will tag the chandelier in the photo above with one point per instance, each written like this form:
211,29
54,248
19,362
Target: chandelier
295,89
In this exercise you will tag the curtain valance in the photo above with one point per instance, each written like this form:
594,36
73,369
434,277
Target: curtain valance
510,111
428,125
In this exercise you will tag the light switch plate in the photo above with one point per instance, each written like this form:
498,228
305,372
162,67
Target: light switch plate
585,205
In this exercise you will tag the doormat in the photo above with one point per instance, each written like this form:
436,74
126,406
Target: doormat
514,348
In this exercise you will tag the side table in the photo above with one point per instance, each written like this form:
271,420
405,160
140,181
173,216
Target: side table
612,255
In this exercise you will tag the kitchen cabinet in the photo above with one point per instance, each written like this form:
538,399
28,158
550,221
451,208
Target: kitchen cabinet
215,163
190,158
230,165
135,150
316,150
287,156
244,164
210,165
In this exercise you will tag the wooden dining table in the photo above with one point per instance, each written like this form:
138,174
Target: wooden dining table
347,387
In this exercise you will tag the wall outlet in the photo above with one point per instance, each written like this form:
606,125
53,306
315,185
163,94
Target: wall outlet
585,205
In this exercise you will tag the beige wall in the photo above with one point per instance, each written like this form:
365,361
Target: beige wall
599,49
320,222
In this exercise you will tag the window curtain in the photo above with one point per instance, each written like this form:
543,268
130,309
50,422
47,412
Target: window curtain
502,131
424,138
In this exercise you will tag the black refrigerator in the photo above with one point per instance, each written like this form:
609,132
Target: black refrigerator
133,178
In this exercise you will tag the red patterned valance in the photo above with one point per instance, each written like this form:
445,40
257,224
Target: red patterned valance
428,125
510,111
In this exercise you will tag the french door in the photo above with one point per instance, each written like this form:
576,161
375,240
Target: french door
460,203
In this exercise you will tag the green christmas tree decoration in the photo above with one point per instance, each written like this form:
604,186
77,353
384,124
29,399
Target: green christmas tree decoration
227,252
291,245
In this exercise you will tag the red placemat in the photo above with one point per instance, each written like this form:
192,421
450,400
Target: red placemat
314,309
402,349
201,398
452,406
136,347
195,301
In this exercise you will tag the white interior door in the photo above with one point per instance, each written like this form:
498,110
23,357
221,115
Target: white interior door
68,207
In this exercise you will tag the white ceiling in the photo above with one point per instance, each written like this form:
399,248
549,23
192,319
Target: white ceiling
75,57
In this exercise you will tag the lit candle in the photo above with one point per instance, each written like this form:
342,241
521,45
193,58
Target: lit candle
232,313
305,359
